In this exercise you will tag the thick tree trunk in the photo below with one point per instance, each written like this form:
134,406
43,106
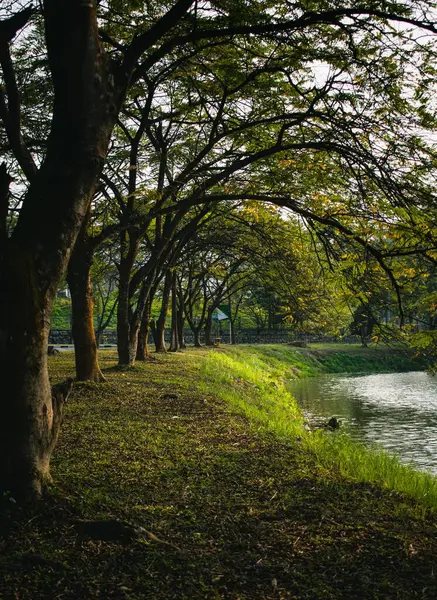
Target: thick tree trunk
31,411
82,305
154,331
34,258
159,337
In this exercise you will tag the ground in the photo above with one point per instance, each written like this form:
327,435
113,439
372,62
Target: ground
249,516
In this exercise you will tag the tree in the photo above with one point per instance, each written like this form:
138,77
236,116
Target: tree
90,72
34,257
89,87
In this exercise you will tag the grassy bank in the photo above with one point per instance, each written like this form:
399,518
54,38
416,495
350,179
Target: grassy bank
252,379
250,513
287,362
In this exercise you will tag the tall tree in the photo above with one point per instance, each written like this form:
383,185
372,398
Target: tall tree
90,71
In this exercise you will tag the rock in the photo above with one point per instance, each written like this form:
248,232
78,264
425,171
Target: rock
334,423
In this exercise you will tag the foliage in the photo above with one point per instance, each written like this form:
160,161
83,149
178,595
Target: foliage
61,316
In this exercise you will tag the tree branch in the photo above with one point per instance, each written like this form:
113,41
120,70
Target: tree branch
10,27
11,114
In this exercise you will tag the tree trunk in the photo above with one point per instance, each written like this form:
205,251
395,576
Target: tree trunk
197,342
160,323
82,306
208,331
180,316
181,336
31,410
137,317
159,337
233,339
174,333
35,257
143,337
154,332
126,349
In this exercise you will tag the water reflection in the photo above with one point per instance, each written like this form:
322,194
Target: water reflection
396,410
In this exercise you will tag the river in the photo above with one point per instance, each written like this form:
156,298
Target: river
397,411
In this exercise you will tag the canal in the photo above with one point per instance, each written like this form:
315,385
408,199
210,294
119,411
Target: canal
397,411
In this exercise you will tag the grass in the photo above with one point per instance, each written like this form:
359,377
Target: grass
254,510
252,379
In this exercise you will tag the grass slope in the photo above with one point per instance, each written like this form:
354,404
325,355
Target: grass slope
252,379
255,515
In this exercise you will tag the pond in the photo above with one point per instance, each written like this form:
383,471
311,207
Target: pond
398,411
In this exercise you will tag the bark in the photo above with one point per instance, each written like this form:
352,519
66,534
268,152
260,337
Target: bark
180,315
208,331
31,411
196,333
5,181
154,332
125,348
137,316
233,332
34,258
174,334
181,323
143,337
160,323
82,308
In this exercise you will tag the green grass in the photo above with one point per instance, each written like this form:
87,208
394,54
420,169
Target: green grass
328,358
252,379
257,511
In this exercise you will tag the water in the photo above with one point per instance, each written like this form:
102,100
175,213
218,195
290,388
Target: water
398,411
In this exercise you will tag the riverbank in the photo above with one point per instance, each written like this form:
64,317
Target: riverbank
253,380
250,510
317,359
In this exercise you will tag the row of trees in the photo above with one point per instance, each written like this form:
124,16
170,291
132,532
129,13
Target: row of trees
137,130
253,259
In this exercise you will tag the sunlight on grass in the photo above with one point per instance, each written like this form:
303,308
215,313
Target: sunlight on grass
253,381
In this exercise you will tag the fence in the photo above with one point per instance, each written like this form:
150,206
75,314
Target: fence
244,336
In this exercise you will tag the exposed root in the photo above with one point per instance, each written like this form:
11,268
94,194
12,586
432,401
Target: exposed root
112,530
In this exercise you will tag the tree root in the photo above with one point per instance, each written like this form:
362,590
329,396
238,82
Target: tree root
112,530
